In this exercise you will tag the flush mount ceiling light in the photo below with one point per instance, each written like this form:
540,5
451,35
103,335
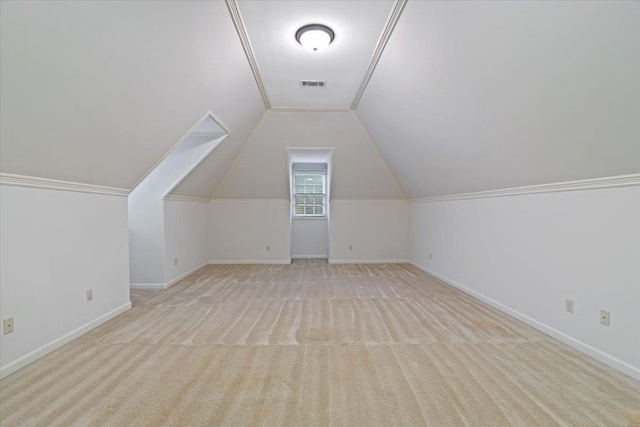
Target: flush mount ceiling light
315,37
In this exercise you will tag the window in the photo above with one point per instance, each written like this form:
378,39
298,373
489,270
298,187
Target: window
309,194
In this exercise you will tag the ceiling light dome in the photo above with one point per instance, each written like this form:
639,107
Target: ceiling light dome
315,37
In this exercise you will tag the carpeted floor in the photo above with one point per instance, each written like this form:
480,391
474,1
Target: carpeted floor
316,344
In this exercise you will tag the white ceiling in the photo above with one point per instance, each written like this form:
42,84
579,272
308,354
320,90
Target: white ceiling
98,92
467,96
271,26
472,96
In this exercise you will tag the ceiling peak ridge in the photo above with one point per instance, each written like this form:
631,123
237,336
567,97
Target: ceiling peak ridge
236,17
394,16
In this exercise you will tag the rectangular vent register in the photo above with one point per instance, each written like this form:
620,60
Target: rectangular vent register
312,83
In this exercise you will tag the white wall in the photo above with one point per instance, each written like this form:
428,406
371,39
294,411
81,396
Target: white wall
241,231
376,230
357,171
54,246
528,253
309,238
146,215
186,232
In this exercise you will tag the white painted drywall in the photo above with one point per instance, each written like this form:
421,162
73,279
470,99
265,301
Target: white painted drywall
376,230
271,26
531,252
54,246
309,238
186,232
119,83
146,215
484,95
357,172
241,231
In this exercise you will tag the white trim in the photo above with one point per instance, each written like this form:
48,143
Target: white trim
394,16
246,45
369,202
309,110
368,261
185,136
179,198
261,201
241,153
364,131
308,217
584,184
170,283
36,354
309,256
147,286
55,184
600,355
185,275
218,141
245,261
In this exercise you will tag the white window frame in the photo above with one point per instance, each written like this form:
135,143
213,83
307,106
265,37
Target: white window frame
323,194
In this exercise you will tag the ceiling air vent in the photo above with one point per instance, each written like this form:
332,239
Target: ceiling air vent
312,83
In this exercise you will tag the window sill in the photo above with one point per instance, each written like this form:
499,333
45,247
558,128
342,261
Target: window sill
295,218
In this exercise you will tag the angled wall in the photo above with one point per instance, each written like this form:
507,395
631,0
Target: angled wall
260,176
146,207
527,253
476,96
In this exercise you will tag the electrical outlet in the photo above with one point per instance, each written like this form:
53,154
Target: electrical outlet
268,248
350,247
429,255
7,325
175,261
89,294
604,317
569,305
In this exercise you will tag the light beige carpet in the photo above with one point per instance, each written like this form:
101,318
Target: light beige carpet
316,344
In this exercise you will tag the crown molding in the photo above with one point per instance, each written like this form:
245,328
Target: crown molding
396,12
257,201
54,184
368,202
232,5
584,184
179,198
309,110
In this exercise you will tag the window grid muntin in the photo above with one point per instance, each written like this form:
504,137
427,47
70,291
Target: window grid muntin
309,194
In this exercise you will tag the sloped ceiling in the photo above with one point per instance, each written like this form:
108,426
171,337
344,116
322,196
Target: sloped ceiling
271,27
472,96
98,92
357,171
467,96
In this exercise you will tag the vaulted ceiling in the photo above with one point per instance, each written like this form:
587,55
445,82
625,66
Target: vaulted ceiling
466,96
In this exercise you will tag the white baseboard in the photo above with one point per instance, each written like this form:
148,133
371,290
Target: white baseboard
147,286
308,256
368,261
185,275
168,284
600,355
36,354
245,261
